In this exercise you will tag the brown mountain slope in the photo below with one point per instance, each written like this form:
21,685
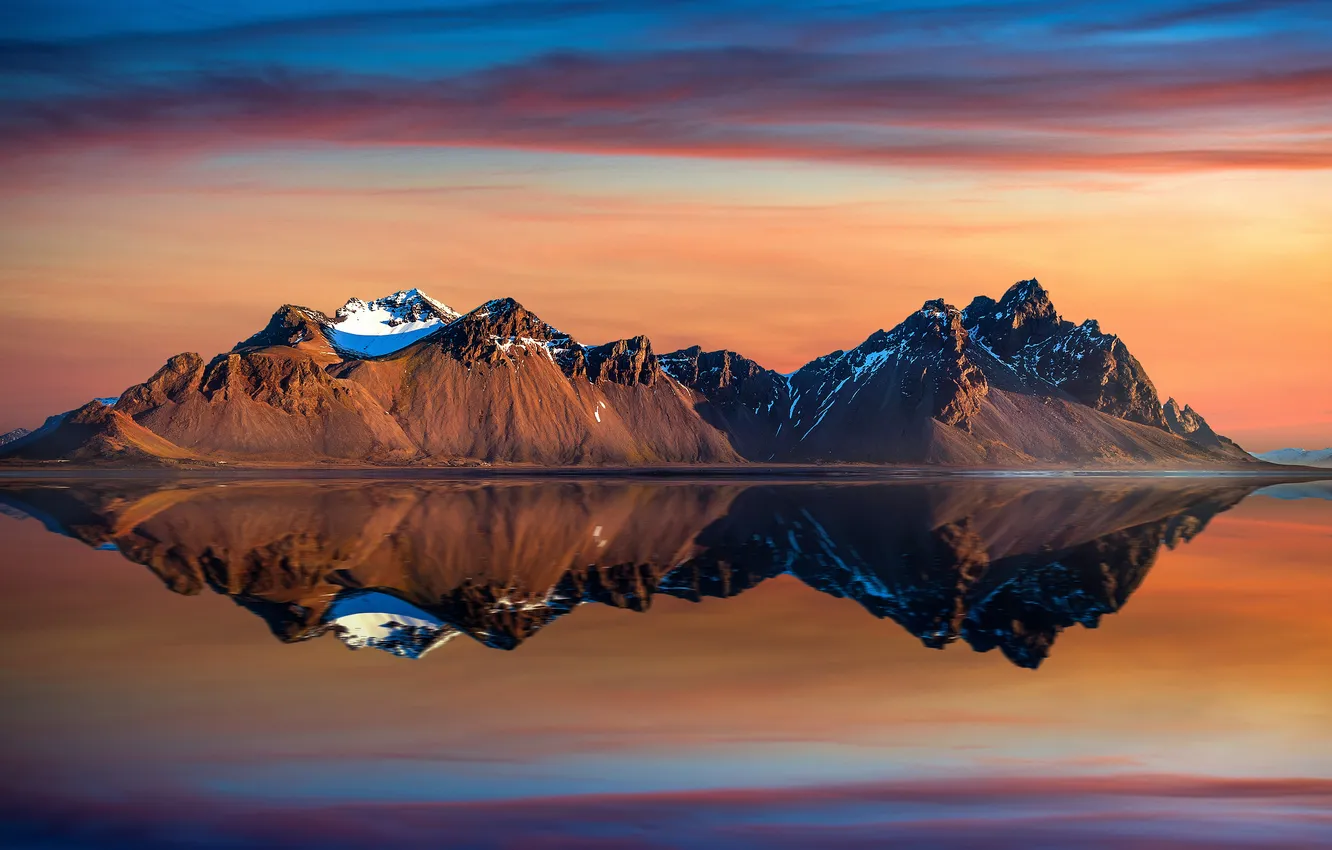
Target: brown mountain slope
98,434
275,403
500,384
1013,429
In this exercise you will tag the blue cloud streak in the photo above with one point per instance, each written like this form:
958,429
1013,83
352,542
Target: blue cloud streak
1007,812
1029,85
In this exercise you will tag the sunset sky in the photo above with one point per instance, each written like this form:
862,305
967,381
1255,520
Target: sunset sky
774,177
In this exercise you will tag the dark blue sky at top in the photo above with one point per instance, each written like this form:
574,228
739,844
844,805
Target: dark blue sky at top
429,37
735,78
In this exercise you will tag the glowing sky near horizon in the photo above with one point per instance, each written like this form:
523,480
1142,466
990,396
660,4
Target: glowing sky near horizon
779,178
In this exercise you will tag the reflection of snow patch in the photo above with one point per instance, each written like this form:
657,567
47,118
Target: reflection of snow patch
385,622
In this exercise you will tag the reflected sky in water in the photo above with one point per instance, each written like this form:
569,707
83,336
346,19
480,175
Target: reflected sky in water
698,664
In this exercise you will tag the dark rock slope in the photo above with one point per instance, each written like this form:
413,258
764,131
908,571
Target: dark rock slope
1049,355
1186,423
1000,383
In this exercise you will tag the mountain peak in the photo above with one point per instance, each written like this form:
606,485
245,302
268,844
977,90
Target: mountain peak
1027,335
624,361
508,318
492,330
935,320
1025,291
403,306
499,307
1186,423
385,325
936,308
291,326
1028,302
1023,316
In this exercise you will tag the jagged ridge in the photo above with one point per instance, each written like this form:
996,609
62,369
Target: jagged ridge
1001,383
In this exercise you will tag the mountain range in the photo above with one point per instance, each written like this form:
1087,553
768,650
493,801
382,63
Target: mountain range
406,379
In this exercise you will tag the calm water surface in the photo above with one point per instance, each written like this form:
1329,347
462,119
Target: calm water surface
1016,662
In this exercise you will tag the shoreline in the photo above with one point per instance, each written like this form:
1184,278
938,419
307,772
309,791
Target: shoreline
750,472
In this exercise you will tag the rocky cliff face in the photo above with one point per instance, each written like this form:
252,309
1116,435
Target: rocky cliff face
919,369
735,395
490,332
1000,383
1048,354
293,327
625,361
1184,422
178,376
405,379
1022,318
1187,424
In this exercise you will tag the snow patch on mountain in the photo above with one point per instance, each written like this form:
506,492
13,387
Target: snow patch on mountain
11,436
385,325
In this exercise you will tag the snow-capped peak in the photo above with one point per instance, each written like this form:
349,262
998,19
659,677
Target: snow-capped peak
408,305
385,325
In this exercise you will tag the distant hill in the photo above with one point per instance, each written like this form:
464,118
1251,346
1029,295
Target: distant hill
11,436
1298,457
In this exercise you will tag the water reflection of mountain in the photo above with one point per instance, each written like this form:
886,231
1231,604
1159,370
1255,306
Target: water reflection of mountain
405,566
